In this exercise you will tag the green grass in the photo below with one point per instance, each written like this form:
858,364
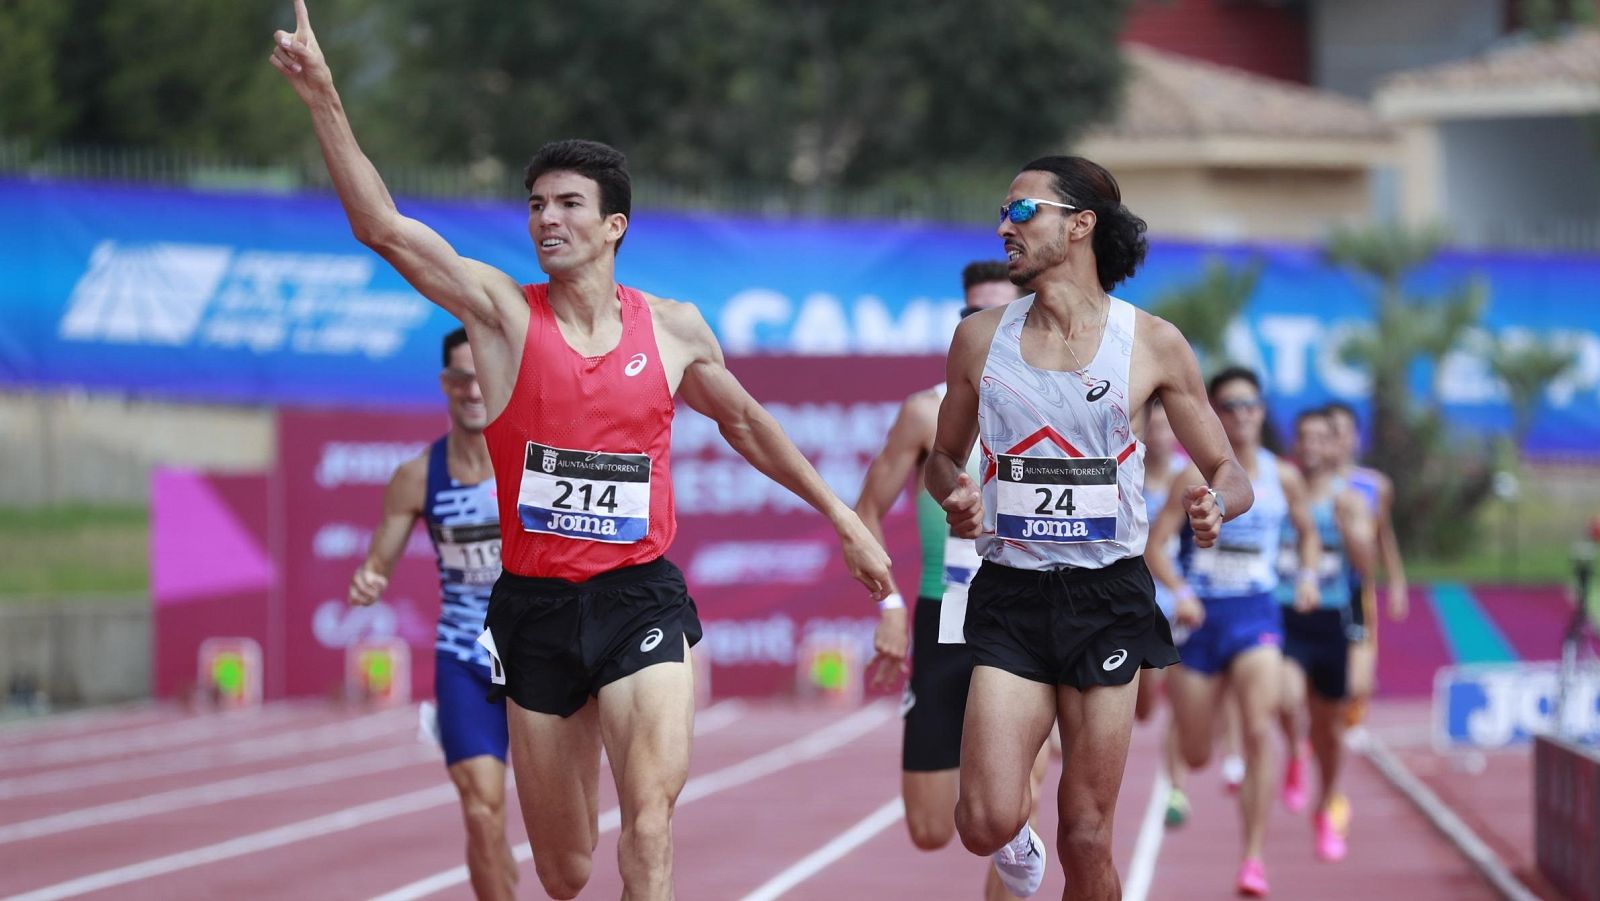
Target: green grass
77,552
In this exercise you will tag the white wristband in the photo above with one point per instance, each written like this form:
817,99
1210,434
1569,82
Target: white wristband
892,602
1308,576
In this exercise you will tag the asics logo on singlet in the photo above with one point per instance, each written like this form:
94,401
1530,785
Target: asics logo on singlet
651,639
594,525
1035,528
635,365
1115,660
1098,391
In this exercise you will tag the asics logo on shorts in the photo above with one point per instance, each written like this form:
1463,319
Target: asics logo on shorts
1115,660
651,639
635,365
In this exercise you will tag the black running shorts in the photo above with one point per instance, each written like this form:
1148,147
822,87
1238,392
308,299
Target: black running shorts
560,642
1319,643
935,700
1073,627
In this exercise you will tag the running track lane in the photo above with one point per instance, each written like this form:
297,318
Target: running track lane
825,819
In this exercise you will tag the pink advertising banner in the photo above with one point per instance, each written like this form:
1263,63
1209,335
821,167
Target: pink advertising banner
763,567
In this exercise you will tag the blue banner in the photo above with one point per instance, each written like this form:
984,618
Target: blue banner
264,298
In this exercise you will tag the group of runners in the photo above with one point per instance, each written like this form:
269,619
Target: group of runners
565,629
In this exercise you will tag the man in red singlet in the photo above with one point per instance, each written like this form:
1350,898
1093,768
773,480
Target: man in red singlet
590,623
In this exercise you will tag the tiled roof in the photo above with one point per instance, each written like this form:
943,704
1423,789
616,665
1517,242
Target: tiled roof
1572,60
1171,96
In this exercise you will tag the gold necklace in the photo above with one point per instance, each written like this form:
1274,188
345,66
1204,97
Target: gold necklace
1064,340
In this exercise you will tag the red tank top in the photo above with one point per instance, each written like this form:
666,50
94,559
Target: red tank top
582,452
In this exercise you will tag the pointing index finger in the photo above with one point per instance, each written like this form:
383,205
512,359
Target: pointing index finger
302,20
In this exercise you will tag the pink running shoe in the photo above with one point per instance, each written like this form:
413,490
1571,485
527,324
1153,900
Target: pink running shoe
1295,794
1253,878
1330,844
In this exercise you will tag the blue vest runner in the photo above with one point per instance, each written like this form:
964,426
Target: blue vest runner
464,523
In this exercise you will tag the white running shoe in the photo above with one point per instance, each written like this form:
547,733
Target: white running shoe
1021,863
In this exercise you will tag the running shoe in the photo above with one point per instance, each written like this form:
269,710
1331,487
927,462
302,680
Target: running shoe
1295,794
1021,863
1253,878
1330,844
1177,807
1339,813
1232,772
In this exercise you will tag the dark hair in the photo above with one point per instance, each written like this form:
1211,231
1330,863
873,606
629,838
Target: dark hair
982,272
1339,406
604,164
452,341
1232,374
1118,240
1305,416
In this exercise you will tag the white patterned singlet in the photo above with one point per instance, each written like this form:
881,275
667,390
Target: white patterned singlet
1063,479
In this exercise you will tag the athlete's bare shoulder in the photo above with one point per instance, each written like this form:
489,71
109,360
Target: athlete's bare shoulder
1157,336
969,346
681,320
408,486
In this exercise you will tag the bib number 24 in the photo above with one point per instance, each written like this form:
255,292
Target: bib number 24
1054,501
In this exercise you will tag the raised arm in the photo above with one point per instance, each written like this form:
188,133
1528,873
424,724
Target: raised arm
472,291
1309,544
402,504
1183,393
710,389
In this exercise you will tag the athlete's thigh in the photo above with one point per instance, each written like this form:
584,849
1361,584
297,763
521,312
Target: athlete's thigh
647,722
557,762
1008,718
930,799
481,779
1256,676
1096,726
1195,698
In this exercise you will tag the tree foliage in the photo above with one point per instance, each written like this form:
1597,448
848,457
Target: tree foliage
1439,477
1203,309
810,93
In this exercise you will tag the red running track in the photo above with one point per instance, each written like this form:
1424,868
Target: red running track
309,800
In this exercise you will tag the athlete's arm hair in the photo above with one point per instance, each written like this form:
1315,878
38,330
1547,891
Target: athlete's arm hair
402,504
957,428
462,286
1183,394
711,390
903,452
1169,519
1309,543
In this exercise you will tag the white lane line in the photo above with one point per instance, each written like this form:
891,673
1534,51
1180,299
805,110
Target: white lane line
55,725
1152,829
333,735
160,735
780,758
820,859
338,821
285,779
1473,848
